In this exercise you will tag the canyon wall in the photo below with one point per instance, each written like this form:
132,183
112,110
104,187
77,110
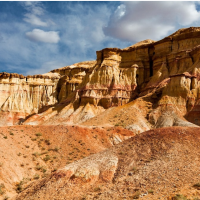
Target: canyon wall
22,96
166,72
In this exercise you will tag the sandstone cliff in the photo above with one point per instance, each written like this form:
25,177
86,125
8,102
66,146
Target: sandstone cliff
22,96
164,75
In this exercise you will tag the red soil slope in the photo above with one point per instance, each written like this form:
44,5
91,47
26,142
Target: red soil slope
32,152
157,164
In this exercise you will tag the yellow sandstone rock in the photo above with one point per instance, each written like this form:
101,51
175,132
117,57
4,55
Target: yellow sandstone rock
165,72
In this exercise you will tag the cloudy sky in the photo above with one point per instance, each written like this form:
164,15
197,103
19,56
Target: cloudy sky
36,37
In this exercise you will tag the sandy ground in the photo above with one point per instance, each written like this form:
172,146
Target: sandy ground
157,164
28,153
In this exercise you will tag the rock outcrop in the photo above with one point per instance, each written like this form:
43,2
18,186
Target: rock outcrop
22,96
164,74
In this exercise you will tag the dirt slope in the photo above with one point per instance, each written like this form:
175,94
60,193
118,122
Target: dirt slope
157,164
28,153
131,116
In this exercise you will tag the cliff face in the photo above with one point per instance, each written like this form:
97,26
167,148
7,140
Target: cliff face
71,77
164,74
176,62
22,96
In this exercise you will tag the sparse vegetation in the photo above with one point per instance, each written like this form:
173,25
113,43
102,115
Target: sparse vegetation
56,149
41,168
134,169
97,189
150,191
34,159
46,158
36,176
47,142
179,197
39,143
38,167
44,170
38,134
95,136
19,187
197,186
45,152
72,148
2,189
36,154
136,195
44,175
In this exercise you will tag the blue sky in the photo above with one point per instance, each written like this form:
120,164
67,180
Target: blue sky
36,37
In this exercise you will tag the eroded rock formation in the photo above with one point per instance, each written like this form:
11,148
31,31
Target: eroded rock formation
164,74
22,96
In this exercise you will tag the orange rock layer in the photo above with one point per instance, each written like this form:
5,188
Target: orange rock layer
166,71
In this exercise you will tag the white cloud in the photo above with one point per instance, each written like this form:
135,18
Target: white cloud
34,20
33,7
80,35
82,31
35,11
135,21
38,35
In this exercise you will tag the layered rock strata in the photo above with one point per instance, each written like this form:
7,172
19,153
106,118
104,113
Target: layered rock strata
22,96
164,73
